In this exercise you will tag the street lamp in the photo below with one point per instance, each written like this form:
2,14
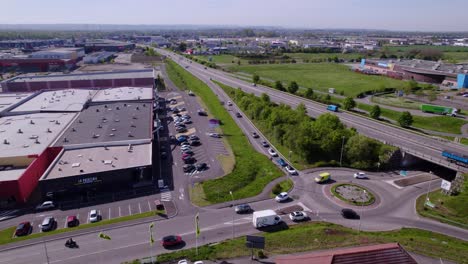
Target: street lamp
233,213
341,155
362,211
428,188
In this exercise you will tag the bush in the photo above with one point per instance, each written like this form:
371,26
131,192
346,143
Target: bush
261,254
276,189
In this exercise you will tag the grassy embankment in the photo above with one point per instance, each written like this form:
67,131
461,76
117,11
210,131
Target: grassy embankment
320,236
252,170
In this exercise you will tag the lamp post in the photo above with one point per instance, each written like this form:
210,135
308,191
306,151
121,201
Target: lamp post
362,211
341,155
428,188
233,213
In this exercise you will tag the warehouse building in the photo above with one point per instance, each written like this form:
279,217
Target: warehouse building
59,53
25,65
106,45
99,57
96,80
123,94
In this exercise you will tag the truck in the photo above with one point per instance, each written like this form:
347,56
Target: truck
437,109
265,218
333,108
455,157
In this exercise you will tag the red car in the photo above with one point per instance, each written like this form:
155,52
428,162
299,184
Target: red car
23,229
168,241
72,221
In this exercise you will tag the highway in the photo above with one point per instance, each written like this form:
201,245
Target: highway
413,143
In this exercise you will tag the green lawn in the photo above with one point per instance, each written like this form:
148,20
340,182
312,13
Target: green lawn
315,56
449,209
321,76
252,170
6,235
392,100
284,186
457,56
441,48
444,124
321,235
221,59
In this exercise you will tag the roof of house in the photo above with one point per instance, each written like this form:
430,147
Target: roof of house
98,159
110,122
61,100
123,94
391,253
23,135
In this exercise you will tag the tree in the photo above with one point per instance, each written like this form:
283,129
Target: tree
293,87
255,78
375,112
265,97
182,46
349,103
405,119
309,93
279,86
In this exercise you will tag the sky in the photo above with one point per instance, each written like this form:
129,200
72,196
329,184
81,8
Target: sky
410,15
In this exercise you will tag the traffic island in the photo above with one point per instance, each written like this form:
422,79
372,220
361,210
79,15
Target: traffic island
353,194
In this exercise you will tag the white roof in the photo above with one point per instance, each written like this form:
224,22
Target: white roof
264,213
98,159
123,94
9,99
11,175
60,100
24,135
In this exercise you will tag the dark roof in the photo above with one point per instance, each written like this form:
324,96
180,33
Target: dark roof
109,122
391,253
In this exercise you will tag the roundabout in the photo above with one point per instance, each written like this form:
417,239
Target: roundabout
353,194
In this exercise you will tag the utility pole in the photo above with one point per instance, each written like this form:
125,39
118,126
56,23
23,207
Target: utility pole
428,188
341,155
233,213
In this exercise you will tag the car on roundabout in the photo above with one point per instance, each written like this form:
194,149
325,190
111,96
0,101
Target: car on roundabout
282,197
349,213
172,240
298,216
360,175
243,209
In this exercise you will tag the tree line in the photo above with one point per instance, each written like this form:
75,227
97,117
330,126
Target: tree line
318,141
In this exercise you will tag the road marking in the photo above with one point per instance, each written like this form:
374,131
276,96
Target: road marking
149,205
139,207
78,217
109,213
65,224
129,210
87,219
120,215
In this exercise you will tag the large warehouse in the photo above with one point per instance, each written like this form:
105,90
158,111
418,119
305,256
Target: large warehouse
77,141
449,75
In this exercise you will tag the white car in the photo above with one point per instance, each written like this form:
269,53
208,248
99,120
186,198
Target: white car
198,262
47,205
291,170
182,261
272,152
360,175
185,147
93,216
215,135
229,103
282,197
298,216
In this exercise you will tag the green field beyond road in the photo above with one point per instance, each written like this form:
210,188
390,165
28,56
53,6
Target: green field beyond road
322,76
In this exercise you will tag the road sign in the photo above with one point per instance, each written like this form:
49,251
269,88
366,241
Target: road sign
403,173
445,185
429,204
255,242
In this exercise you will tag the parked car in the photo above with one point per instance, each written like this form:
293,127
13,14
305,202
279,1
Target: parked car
175,110
191,93
238,115
186,116
281,162
201,166
202,113
298,216
190,160
243,209
195,142
265,144
272,152
47,205
360,175
172,240
291,170
184,155
72,221
93,216
255,135
188,151
282,197
181,109
23,229
179,124
188,167
185,143
182,138
189,157
187,121
229,103
194,137
181,129
349,213
182,261
185,147
48,224
173,102
215,135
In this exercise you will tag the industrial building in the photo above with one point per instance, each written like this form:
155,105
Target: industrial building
444,74
30,43
110,130
134,78
98,57
105,45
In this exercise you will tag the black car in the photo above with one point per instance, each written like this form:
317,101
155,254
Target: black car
188,151
349,214
265,144
202,113
255,135
195,142
188,167
243,209
238,114
201,166
190,160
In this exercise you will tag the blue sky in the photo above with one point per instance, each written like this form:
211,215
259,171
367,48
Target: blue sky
425,15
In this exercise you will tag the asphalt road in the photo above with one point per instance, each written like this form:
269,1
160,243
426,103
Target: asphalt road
415,144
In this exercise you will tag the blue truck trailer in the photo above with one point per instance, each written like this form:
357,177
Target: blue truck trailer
455,157
333,108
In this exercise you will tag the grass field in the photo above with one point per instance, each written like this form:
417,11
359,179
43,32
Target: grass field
321,235
6,235
441,48
457,56
284,186
252,170
392,100
313,56
322,76
221,59
449,209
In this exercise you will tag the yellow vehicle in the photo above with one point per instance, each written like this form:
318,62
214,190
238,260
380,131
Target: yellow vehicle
323,177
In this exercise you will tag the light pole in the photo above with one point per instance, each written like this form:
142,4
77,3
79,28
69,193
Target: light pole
362,211
428,188
233,213
341,155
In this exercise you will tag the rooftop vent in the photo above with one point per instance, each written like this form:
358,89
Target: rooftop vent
106,148
25,146
118,108
105,106
103,118
130,148
137,108
90,159
114,129
59,169
132,125
33,137
48,130
116,120
20,131
144,105
75,165
95,135
6,142
125,105
81,171
111,135
65,140
57,122
130,134
134,117
37,141
31,122
73,129
99,126
107,162
80,121
97,109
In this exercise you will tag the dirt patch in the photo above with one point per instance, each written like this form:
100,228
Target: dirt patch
415,180
289,209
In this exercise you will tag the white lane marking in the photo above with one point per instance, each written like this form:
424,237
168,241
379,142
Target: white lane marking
87,219
65,224
120,214
109,213
149,205
139,207
129,209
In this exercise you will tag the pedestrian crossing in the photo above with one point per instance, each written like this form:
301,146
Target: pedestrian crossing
166,195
